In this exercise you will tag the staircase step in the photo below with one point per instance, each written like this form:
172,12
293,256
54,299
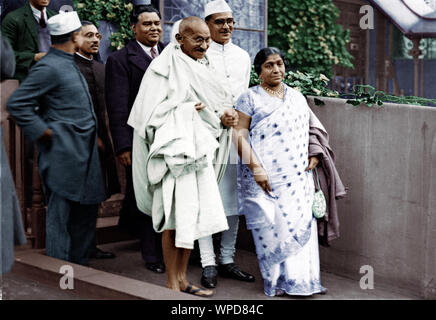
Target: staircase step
111,207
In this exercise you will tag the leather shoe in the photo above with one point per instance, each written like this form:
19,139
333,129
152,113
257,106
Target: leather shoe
100,254
157,267
208,278
232,271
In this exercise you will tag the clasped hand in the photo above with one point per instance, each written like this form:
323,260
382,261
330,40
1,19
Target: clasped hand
230,118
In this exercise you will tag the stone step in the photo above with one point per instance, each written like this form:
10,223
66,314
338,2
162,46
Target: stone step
111,207
90,283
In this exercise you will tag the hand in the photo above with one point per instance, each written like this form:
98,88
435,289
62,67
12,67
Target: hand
199,106
39,55
100,145
261,178
230,118
313,162
46,136
125,158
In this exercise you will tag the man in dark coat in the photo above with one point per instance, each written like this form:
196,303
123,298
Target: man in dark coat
124,71
54,108
27,32
93,71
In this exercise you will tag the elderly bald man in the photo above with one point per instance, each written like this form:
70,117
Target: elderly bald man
182,119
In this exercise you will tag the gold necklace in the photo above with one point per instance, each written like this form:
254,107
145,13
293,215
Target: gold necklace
278,93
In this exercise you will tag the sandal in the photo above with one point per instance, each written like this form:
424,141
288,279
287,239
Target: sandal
198,291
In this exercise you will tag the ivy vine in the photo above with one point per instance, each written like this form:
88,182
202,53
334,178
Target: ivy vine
307,31
368,95
311,84
115,11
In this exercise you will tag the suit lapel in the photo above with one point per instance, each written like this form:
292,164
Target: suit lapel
31,25
137,55
50,13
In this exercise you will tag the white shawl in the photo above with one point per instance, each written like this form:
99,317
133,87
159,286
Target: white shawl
174,146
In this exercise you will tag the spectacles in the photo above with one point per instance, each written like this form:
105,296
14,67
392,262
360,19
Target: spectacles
199,41
220,22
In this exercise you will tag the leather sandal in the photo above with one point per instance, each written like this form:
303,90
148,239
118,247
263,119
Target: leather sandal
197,291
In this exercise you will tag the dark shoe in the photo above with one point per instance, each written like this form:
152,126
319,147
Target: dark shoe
100,254
155,267
196,291
208,278
232,271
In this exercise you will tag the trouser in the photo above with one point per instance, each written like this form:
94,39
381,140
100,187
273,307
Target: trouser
70,229
228,242
140,224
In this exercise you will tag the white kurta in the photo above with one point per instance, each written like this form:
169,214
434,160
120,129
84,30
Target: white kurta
234,64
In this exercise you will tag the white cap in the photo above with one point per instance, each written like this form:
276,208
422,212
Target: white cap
217,6
63,23
175,30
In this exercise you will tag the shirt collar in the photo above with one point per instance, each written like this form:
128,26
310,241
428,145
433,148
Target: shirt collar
221,47
82,56
147,49
37,13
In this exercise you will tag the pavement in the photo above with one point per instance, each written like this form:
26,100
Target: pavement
128,271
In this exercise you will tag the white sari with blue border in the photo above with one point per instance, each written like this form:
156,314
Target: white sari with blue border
283,227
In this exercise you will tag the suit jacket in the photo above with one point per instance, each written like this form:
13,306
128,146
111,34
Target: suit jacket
124,71
55,95
21,29
93,71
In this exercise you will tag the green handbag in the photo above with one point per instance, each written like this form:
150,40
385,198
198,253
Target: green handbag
319,205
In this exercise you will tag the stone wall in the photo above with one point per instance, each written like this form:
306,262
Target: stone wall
387,157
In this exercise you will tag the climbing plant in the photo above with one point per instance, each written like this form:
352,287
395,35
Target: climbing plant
311,84
115,11
307,31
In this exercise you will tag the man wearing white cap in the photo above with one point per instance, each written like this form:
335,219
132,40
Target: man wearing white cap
54,109
233,64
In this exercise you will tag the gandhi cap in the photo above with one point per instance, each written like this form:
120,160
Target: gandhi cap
217,6
64,23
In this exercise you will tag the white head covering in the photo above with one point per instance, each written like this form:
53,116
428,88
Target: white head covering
63,23
217,6
175,30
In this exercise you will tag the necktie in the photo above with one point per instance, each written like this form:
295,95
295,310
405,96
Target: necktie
42,20
154,53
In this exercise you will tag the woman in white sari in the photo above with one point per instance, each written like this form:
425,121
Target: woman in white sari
275,183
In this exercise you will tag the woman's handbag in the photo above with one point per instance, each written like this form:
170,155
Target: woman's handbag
319,205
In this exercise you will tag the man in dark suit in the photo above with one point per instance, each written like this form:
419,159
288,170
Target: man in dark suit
93,71
27,32
124,71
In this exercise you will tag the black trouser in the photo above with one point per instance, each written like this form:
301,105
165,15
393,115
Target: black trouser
70,229
139,224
